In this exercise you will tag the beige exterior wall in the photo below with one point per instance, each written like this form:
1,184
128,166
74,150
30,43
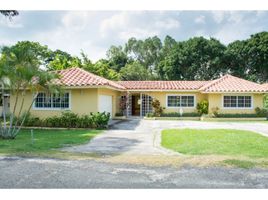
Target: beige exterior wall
216,100
162,97
82,101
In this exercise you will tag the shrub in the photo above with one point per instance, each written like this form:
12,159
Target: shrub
215,111
29,120
202,107
236,115
149,115
120,114
100,120
72,120
69,119
158,110
261,112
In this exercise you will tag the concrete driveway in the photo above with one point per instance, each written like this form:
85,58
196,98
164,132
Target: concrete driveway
138,136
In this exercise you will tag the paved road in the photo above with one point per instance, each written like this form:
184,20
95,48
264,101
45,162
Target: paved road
143,136
50,173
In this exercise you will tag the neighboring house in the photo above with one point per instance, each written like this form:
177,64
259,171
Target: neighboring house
86,92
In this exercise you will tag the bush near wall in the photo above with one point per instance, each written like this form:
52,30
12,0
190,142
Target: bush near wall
71,120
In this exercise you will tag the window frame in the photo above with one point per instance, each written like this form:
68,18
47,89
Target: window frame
51,108
237,107
193,95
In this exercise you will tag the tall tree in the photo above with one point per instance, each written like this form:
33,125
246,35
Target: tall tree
257,48
134,71
194,59
20,72
117,57
147,52
58,60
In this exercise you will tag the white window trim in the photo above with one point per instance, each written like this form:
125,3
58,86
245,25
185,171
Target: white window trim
237,108
180,95
57,109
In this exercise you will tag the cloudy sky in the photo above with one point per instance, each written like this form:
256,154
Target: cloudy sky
95,31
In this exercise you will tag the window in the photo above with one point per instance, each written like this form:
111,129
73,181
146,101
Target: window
180,101
53,101
237,102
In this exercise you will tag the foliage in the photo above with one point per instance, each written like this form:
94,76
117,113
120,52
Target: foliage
216,142
261,112
215,111
59,60
149,115
119,114
265,101
202,107
70,120
157,108
244,115
20,70
45,141
177,114
9,13
117,57
134,71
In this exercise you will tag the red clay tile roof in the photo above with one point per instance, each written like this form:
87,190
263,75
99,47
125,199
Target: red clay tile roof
163,85
78,77
230,83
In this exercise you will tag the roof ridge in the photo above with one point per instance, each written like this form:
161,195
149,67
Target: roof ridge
213,82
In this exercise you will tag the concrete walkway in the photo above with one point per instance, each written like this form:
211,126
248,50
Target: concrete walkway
144,136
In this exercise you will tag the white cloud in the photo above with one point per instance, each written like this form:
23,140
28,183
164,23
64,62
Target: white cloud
167,24
117,21
77,20
218,16
137,33
11,23
200,19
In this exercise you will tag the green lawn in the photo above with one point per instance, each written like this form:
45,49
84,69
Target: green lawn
45,141
216,142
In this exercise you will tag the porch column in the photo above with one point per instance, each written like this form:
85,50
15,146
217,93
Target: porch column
127,102
141,104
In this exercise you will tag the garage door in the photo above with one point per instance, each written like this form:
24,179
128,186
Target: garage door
106,104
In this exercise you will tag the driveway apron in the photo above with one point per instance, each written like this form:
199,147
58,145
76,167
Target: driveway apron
138,136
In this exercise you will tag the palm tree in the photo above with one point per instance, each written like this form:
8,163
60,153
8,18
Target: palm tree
9,13
21,72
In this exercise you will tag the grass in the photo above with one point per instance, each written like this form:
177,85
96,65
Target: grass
216,142
45,142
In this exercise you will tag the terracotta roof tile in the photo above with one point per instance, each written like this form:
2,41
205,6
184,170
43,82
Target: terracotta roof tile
230,83
78,77
163,85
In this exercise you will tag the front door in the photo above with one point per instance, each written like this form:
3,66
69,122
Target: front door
135,105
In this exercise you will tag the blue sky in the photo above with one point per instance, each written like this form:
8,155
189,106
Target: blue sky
95,31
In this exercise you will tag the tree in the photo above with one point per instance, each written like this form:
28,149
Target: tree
194,59
146,52
257,48
235,59
21,72
134,71
59,60
117,58
9,13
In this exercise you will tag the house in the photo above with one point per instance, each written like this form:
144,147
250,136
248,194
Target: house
85,92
